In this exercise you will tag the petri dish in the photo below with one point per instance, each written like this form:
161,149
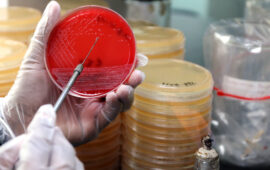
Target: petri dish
11,55
143,161
158,158
90,155
167,133
159,42
110,164
8,76
109,64
172,80
68,5
169,122
18,23
185,149
4,88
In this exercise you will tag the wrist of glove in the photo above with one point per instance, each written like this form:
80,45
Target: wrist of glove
43,146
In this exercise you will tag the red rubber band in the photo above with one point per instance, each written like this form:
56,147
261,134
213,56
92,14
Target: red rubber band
221,93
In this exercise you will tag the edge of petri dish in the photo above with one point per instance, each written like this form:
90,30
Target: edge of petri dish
208,78
79,95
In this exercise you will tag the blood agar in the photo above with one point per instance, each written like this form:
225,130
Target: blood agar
109,64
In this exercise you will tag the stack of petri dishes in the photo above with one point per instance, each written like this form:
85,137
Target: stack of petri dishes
18,23
11,55
103,153
158,42
170,115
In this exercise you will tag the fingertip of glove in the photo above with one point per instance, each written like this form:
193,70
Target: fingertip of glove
142,60
124,90
136,78
111,96
45,116
53,10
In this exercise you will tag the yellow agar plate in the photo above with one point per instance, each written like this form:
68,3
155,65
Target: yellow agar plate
175,80
13,19
11,54
158,42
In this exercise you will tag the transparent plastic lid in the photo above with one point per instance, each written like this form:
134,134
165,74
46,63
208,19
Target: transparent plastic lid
71,4
9,76
11,54
175,80
18,19
152,40
4,88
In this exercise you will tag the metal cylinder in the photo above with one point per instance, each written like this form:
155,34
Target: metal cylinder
206,157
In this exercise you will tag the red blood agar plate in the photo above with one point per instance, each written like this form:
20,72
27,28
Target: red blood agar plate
111,61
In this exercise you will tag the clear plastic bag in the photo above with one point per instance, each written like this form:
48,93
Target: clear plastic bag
257,9
237,52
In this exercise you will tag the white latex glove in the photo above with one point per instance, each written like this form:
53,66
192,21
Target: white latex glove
80,119
42,147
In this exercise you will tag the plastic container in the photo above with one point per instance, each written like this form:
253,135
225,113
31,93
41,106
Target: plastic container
237,53
170,115
257,9
157,42
103,152
109,64
18,23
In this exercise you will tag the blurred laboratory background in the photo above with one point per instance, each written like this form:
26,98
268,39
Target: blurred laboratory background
203,44
192,17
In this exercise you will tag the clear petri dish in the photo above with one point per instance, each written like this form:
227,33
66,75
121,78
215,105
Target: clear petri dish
172,80
109,64
87,156
170,113
159,42
101,145
168,152
110,164
158,158
164,132
164,139
68,5
150,163
183,149
8,76
11,55
127,164
183,109
4,88
170,122
18,23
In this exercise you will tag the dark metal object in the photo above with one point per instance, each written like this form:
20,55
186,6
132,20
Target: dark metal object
206,157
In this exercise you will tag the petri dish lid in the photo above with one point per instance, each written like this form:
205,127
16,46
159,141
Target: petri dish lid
71,4
14,19
138,23
6,77
152,40
111,61
172,80
11,54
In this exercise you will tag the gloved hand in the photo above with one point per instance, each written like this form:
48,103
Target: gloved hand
42,147
80,119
